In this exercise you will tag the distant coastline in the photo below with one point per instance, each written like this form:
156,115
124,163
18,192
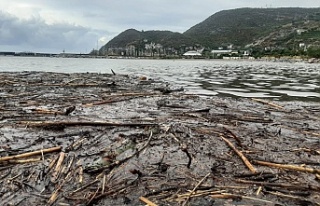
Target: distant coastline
74,55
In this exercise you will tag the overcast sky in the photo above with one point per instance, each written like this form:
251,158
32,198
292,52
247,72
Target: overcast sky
81,25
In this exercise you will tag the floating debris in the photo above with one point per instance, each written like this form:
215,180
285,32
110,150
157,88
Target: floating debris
107,139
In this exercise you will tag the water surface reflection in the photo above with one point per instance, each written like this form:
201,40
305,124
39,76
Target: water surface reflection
273,81
277,80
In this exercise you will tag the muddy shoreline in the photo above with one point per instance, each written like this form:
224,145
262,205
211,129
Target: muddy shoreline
105,139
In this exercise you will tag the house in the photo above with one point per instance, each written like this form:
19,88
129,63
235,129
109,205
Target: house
192,53
222,52
300,31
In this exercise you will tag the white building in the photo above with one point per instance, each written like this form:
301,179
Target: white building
192,53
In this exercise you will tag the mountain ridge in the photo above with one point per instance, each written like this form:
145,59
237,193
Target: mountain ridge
234,28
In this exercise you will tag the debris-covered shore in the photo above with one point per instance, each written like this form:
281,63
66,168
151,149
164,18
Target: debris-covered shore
108,139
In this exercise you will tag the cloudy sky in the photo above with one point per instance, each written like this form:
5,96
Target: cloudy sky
81,25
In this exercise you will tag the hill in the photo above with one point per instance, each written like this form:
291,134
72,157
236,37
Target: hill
274,28
144,41
244,26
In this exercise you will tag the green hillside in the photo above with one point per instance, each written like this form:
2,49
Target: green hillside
132,37
274,28
246,25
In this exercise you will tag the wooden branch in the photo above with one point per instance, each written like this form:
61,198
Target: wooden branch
233,136
46,111
268,103
302,131
239,153
48,124
304,200
25,161
80,174
84,187
148,202
234,196
288,167
197,193
57,169
55,194
184,149
28,154
120,162
112,98
195,188
282,185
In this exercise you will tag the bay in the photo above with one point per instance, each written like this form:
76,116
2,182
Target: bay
282,81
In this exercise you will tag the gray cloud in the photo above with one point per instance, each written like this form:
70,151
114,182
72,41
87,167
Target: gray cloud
36,35
76,25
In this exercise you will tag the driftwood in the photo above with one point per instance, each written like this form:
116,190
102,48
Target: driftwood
197,193
243,158
109,167
58,167
113,98
147,201
195,188
237,197
28,154
268,103
235,137
54,124
282,185
114,161
24,161
288,167
303,201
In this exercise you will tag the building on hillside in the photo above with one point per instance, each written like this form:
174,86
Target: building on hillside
221,52
192,54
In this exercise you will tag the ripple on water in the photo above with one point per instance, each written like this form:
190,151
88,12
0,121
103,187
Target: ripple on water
248,94
297,93
211,77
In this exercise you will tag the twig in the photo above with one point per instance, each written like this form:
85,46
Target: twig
84,187
55,193
289,192
185,150
52,163
93,196
259,190
304,200
48,124
163,190
233,196
67,169
103,183
197,193
28,154
80,174
195,188
288,167
268,103
148,202
244,159
120,95
25,161
46,111
58,166
282,185
233,136
120,162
